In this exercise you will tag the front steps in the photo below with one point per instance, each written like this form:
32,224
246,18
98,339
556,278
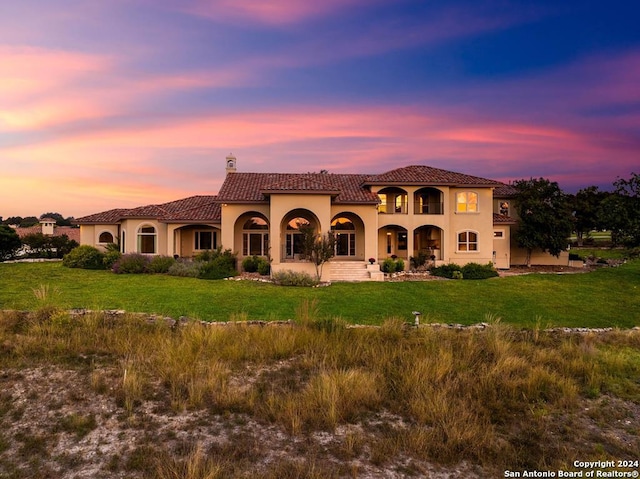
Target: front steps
349,271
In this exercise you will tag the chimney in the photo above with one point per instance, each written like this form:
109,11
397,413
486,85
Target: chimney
47,226
231,163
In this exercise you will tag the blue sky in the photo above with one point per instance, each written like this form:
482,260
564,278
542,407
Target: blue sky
132,102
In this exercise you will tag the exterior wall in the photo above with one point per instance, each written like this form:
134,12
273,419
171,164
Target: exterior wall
480,222
131,228
283,204
501,246
90,234
519,255
181,238
366,238
231,228
411,221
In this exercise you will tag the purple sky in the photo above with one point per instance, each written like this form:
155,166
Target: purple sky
122,103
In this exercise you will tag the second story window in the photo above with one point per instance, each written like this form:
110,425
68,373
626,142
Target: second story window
466,202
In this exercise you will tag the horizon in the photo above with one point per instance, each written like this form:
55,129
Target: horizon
137,102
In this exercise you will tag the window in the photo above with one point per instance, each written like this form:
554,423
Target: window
468,241
205,240
498,234
466,202
147,240
504,208
255,237
105,237
122,243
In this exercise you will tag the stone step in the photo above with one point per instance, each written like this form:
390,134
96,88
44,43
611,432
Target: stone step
349,271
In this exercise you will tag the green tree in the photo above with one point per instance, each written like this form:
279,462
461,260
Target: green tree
317,248
9,242
620,212
545,217
586,204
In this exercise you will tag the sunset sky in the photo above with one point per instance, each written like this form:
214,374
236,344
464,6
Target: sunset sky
122,103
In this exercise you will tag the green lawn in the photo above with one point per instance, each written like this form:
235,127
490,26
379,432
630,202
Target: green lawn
606,297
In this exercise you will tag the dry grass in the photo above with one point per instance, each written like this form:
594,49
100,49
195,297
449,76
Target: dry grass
409,398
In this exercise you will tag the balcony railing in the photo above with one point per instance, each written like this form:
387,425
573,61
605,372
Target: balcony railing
428,208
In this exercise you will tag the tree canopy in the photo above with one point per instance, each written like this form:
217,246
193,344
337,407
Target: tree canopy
545,220
9,242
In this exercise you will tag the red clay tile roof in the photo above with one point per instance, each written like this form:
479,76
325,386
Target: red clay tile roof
502,219
302,184
427,175
103,218
72,233
195,208
252,187
504,191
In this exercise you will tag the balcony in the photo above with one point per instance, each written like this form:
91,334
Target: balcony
431,208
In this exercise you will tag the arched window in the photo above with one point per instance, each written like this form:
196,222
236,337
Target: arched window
147,239
345,234
466,202
105,237
468,241
255,237
392,201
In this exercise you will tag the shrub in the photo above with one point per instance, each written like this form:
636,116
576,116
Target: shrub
161,264
457,275
479,271
110,258
186,268
264,268
252,264
85,257
132,263
446,270
217,264
393,264
294,278
388,266
419,260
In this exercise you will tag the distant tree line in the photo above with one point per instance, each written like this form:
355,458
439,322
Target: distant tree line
34,245
28,221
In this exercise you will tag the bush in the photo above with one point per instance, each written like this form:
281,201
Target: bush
419,260
388,266
479,271
294,278
110,258
132,263
446,270
393,264
186,268
217,264
457,275
161,264
85,257
252,264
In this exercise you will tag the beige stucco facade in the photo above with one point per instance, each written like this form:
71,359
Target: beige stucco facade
449,222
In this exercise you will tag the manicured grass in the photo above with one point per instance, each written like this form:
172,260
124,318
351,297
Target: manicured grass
606,297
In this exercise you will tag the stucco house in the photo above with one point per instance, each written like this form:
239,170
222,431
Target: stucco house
452,216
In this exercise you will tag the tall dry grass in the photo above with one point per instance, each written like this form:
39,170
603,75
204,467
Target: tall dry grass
489,397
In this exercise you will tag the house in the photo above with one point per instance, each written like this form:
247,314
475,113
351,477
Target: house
48,227
450,216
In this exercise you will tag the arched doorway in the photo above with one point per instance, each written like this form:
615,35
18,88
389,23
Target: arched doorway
348,231
292,228
428,240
